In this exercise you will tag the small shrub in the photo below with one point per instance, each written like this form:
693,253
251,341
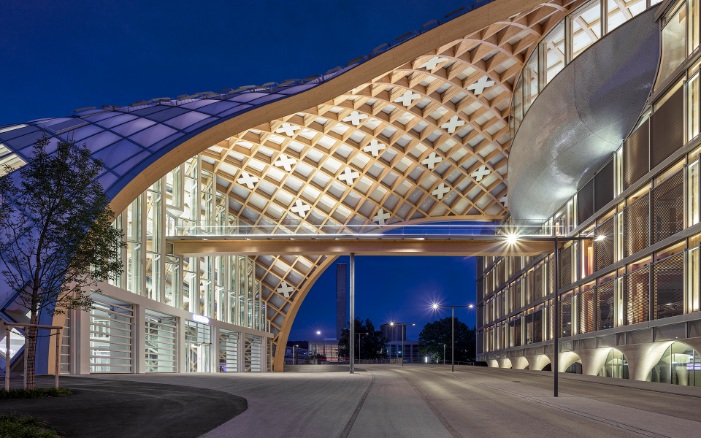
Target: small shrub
34,393
24,426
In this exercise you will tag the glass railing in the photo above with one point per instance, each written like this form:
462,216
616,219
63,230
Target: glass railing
302,230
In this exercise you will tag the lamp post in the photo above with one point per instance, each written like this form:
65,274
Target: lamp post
512,239
436,306
403,325
359,335
294,355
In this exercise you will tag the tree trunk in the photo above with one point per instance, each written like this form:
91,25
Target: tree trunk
31,349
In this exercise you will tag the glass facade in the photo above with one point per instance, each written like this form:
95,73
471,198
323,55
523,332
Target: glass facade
639,281
187,202
198,347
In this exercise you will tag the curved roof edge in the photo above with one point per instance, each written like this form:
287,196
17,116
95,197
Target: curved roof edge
163,134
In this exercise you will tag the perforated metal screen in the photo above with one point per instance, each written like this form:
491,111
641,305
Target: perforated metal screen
605,305
603,250
668,207
636,222
636,296
668,287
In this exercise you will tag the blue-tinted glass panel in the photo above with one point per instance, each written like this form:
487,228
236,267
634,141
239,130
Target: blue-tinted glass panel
152,135
130,128
114,121
117,153
185,120
167,114
100,141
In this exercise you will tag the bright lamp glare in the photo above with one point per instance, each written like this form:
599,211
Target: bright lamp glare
470,306
435,306
391,323
511,238
600,237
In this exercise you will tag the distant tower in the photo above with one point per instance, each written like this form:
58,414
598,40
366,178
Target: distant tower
341,277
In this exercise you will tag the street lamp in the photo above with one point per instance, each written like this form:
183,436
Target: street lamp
436,306
360,334
512,239
403,325
294,355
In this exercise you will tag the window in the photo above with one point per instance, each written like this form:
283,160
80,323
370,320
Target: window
530,81
618,12
554,49
586,27
693,106
692,280
673,42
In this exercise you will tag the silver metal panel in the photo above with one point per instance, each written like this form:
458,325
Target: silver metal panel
581,118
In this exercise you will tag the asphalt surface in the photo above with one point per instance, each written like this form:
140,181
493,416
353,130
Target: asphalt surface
121,408
376,401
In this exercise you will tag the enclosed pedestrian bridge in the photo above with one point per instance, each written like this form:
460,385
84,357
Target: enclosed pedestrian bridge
434,240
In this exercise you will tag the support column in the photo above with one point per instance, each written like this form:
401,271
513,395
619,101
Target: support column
82,341
138,336
556,309
351,334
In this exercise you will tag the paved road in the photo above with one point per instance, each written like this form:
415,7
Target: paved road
430,401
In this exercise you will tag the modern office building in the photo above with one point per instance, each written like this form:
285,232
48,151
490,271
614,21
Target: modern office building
591,107
605,156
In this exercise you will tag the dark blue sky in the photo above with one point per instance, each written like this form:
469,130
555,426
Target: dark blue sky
61,55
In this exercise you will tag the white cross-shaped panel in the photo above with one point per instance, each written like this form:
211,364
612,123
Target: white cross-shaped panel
452,124
355,118
440,191
433,63
285,289
478,87
431,160
285,162
381,217
287,129
480,173
406,98
348,176
247,179
374,147
300,208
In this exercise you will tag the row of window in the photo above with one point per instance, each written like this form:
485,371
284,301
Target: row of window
566,41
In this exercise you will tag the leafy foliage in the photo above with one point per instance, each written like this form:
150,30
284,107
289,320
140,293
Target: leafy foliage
372,342
435,334
34,393
24,426
56,234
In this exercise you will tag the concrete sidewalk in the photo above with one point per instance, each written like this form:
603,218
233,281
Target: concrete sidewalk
377,401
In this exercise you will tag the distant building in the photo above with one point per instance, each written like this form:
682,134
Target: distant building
410,352
328,348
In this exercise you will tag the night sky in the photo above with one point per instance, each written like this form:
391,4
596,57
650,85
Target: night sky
61,55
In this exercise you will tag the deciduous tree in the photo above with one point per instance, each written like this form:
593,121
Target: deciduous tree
56,235
372,343
435,334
